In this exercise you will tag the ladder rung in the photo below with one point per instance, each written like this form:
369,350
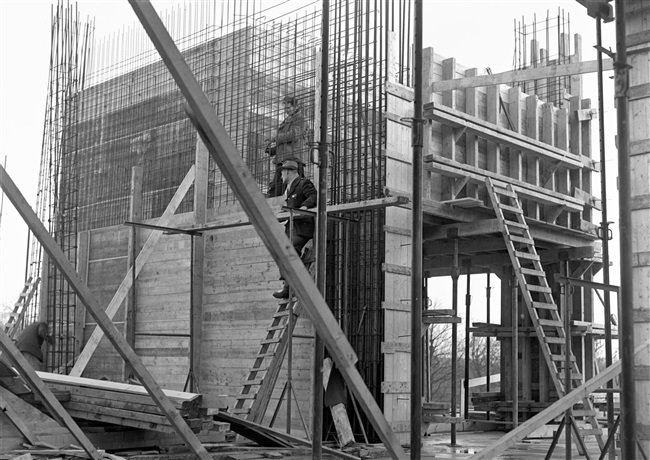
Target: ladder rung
550,322
13,315
535,288
514,209
277,328
574,376
22,294
270,341
280,314
589,431
583,413
253,382
526,255
241,411
544,306
560,340
521,239
532,272
504,191
259,369
246,396
512,223
265,355
562,358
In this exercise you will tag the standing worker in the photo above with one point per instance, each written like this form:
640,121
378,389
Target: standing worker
31,340
301,194
287,144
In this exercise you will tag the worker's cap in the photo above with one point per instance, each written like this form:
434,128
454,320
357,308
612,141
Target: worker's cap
289,165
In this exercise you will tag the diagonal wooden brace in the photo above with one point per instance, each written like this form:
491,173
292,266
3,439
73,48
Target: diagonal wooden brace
239,177
38,386
58,258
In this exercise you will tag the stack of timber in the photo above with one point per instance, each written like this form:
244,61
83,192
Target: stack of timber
111,403
435,412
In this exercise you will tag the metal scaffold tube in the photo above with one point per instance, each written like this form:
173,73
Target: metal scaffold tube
416,259
626,323
604,228
321,238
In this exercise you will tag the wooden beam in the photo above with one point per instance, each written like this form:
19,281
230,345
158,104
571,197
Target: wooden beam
15,419
525,190
122,291
58,258
528,145
482,227
513,76
202,162
556,409
133,247
232,165
29,374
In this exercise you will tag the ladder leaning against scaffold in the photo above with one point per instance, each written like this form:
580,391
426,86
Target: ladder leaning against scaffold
18,313
539,300
254,397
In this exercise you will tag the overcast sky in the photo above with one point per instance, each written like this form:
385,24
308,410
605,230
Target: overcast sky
477,33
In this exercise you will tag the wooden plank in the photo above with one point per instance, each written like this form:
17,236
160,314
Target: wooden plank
493,148
15,419
57,257
232,165
83,245
133,247
29,375
448,139
523,189
509,77
127,282
113,386
504,136
554,410
471,141
532,164
198,262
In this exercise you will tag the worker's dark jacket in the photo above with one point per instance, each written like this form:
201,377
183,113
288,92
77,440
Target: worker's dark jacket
289,139
302,193
29,341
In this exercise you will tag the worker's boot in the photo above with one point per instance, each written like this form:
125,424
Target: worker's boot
282,293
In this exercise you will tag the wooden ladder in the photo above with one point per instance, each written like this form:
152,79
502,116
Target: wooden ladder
541,306
263,375
24,298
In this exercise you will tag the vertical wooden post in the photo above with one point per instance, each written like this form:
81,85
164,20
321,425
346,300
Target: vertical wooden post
532,163
562,174
493,148
638,40
135,215
197,263
514,109
83,246
575,147
548,137
471,141
506,342
448,141
586,151
514,292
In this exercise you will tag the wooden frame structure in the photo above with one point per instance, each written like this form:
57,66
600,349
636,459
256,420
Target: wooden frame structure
475,129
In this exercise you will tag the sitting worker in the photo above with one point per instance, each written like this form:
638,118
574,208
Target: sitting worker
31,340
287,144
299,193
